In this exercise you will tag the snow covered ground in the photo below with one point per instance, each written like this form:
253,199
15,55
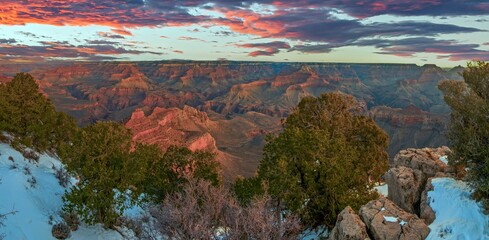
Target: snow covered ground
33,192
457,215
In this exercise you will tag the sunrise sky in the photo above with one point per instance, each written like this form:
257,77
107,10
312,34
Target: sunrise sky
442,32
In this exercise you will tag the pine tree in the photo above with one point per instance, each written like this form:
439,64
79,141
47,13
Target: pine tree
31,117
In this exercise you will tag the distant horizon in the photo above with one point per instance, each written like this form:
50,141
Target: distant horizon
229,60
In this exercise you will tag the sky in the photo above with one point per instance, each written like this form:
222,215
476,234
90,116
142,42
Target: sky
443,32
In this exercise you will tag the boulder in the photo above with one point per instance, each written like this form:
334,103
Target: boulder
385,220
405,187
427,160
349,226
426,212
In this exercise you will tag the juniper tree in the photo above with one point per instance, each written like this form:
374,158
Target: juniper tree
326,158
469,125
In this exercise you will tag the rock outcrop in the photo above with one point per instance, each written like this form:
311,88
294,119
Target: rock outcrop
426,212
165,127
427,160
405,187
349,226
410,171
386,221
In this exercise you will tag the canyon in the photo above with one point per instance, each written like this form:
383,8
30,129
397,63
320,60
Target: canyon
229,107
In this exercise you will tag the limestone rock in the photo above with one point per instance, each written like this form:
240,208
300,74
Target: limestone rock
405,187
426,212
349,226
427,160
385,220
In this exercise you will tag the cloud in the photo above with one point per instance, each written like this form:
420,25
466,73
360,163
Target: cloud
121,31
318,25
55,50
269,49
450,49
187,38
100,42
309,48
178,51
110,35
114,13
315,23
7,41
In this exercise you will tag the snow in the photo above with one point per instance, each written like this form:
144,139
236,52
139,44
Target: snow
382,189
444,159
457,215
390,219
35,205
313,234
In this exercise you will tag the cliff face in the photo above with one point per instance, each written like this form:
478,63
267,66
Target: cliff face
243,100
165,127
411,127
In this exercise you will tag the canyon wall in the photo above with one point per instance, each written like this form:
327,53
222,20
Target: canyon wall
229,107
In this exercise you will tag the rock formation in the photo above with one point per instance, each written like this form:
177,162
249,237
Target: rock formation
426,212
349,226
405,187
386,221
407,212
165,127
411,168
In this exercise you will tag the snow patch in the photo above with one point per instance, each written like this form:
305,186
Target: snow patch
390,219
458,216
37,205
382,189
444,159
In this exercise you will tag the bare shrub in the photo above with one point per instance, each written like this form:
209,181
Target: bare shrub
60,231
62,176
32,181
4,216
27,170
202,211
3,138
30,155
71,220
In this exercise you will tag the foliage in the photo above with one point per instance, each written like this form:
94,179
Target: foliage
27,114
469,125
327,157
246,189
204,211
168,172
113,174
100,157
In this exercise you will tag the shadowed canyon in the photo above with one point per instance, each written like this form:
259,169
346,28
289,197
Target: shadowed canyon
229,107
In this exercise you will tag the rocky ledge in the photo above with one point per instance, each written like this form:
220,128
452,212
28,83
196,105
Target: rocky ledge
406,212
